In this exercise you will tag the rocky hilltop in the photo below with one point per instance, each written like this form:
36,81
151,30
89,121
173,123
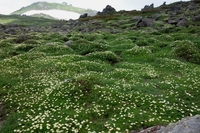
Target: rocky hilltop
165,17
52,10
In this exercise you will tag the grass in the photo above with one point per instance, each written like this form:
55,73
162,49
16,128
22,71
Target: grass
25,20
91,86
102,82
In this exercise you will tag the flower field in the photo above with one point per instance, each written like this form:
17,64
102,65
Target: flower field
102,82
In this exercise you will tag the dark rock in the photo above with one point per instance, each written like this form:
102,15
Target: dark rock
156,16
85,15
164,4
174,13
175,7
98,13
107,10
145,22
182,22
64,27
153,129
196,18
191,7
186,125
172,21
147,7
178,22
2,27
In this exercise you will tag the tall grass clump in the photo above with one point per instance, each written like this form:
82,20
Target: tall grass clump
106,56
86,48
187,51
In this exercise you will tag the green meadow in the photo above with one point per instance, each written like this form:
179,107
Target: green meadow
101,82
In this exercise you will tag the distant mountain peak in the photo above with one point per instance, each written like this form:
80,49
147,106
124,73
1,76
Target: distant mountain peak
44,6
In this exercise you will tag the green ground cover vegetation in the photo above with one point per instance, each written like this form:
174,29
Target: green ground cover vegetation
118,85
102,82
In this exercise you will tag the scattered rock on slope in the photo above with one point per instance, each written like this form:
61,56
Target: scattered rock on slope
83,15
186,125
107,10
147,7
145,22
178,22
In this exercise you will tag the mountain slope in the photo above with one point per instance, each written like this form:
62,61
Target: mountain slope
53,6
117,72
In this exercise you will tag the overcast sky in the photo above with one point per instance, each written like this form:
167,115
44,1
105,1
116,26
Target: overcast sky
8,6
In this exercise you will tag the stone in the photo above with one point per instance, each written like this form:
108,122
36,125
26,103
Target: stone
107,10
147,7
156,16
182,22
191,7
164,4
178,22
85,15
145,22
196,18
186,125
175,8
153,129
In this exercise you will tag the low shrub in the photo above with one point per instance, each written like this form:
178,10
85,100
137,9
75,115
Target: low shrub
54,50
21,38
84,49
136,51
186,50
107,56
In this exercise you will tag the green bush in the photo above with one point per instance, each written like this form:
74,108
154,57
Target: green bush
24,47
84,49
21,38
186,50
54,50
135,51
85,84
107,56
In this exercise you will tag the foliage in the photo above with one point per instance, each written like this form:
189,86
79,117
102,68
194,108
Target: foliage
196,1
48,6
188,51
86,48
105,56
102,81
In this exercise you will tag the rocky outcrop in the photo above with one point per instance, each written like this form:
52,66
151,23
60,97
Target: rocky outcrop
145,22
196,18
186,125
85,15
178,22
164,4
148,7
107,10
153,129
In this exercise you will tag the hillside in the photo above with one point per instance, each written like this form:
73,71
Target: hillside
45,6
113,72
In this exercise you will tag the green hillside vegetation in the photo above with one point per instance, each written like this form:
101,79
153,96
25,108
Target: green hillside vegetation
27,20
41,15
50,6
102,81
